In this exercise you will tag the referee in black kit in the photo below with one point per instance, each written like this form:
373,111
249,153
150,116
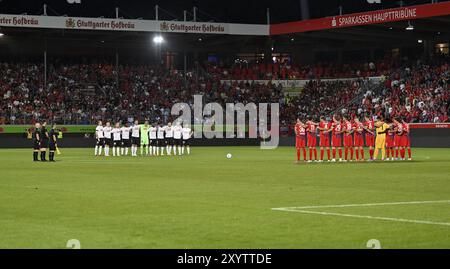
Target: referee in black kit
53,143
44,141
36,141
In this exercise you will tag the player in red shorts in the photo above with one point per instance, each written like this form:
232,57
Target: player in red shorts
358,139
300,139
324,129
406,141
390,141
369,127
336,137
348,141
398,140
311,128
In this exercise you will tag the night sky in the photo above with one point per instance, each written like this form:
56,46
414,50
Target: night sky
237,11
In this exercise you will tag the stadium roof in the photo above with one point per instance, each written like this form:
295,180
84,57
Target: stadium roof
429,22
233,11
380,36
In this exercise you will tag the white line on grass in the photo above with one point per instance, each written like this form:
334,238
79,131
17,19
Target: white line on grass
102,162
365,205
301,210
364,217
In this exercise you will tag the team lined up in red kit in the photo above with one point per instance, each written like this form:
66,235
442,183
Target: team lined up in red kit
351,135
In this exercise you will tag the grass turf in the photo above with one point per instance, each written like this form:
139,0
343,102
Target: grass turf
207,201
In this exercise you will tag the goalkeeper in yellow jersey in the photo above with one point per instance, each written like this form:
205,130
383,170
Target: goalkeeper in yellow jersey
380,142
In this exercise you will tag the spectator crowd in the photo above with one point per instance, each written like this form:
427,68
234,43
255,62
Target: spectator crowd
82,93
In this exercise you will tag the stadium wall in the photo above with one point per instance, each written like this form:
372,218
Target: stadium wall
421,137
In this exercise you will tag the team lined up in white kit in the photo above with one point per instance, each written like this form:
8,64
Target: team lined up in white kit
153,140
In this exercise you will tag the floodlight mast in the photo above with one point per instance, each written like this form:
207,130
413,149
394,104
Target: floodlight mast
158,40
195,14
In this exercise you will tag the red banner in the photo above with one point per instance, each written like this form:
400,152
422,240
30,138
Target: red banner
429,125
364,18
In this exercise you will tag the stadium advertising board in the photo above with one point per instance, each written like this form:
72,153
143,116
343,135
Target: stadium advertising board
82,129
20,129
79,129
53,22
364,18
191,27
429,126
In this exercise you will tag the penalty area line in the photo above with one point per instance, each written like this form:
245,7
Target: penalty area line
366,205
363,216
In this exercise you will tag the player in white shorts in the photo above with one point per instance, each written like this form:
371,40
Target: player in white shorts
177,137
117,143
135,138
187,134
126,143
100,139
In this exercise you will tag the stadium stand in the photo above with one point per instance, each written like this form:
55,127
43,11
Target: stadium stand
82,93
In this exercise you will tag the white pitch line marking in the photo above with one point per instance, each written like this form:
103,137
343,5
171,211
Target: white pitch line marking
365,205
103,162
299,210
365,217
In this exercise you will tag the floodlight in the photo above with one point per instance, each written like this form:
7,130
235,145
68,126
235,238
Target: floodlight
158,39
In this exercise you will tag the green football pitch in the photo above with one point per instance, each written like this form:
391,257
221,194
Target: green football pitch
256,199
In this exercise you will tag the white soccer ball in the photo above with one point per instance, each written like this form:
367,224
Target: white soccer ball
229,156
